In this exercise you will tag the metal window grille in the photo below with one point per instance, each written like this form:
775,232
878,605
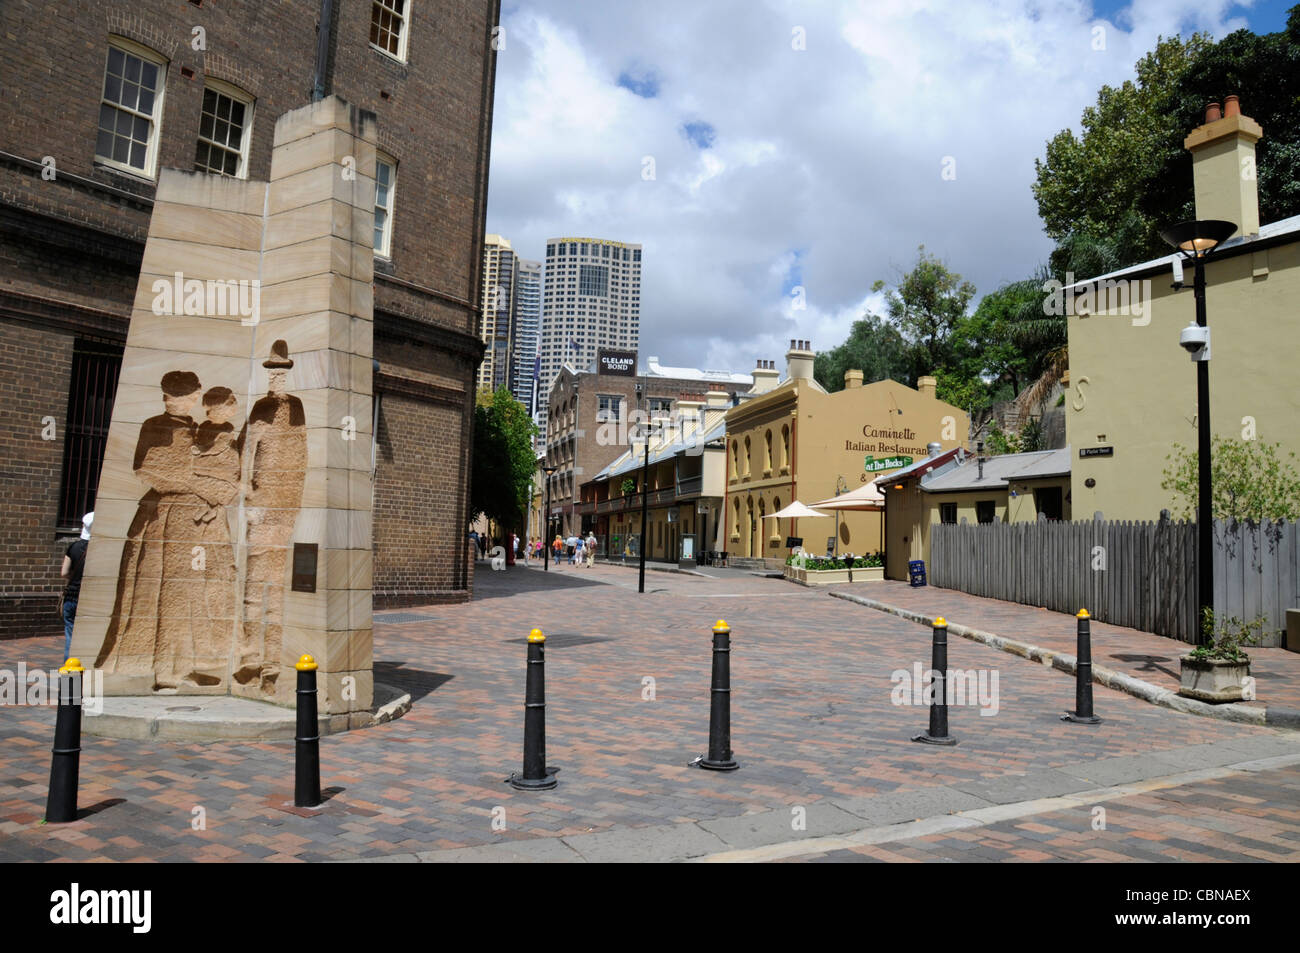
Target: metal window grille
95,370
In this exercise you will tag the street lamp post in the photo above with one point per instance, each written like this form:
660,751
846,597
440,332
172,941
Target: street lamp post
1195,240
645,486
546,522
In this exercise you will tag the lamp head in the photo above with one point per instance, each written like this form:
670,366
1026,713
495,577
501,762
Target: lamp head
1197,239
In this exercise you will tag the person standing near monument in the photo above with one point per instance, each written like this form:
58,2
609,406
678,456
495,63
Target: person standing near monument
274,451
74,564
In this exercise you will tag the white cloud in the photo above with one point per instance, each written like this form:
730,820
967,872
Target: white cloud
835,151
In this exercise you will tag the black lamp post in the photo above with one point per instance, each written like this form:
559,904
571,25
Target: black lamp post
1195,240
841,486
641,399
546,534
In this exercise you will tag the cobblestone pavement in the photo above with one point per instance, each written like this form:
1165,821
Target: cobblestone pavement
1152,658
814,728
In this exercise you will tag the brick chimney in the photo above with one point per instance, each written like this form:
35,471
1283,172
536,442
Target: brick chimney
925,386
1223,166
766,377
799,361
717,397
852,379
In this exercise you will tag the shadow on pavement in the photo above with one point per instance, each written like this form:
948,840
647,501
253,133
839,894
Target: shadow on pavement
414,681
516,580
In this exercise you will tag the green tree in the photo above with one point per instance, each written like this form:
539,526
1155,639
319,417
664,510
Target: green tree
1264,71
504,462
926,306
1096,184
1249,481
873,346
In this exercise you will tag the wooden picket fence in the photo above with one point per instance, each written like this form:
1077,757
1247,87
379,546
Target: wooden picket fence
1134,574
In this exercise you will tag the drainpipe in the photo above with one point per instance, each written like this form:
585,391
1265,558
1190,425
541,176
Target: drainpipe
322,49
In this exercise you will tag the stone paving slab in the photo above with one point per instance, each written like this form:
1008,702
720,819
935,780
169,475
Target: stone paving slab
1024,787
814,723
1202,821
774,827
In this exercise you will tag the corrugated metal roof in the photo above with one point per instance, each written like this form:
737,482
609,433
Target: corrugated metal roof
999,470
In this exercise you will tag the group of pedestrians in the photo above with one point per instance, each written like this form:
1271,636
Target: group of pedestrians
579,551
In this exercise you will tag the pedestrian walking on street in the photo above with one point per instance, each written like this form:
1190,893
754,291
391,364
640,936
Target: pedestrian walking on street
591,550
74,563
557,547
576,557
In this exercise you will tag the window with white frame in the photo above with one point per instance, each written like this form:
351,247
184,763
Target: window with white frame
385,180
130,108
225,128
389,21
608,406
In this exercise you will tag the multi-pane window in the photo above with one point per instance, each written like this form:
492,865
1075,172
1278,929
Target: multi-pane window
608,407
593,280
986,511
385,181
660,405
129,109
224,129
948,513
388,26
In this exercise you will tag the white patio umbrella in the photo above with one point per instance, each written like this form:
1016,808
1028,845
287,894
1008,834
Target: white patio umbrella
795,510
867,497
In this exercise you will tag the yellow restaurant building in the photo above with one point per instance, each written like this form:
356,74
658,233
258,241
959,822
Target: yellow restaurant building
1132,388
794,441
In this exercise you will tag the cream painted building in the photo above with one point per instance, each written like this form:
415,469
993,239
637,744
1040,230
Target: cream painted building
1132,389
792,440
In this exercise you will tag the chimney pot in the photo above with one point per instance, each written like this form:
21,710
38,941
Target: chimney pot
1212,112
1232,106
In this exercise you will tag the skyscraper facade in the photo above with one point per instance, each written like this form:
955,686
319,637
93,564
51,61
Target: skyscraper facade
527,323
498,295
591,299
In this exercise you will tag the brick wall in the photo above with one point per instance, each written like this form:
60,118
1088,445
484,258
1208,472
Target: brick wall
34,387
70,248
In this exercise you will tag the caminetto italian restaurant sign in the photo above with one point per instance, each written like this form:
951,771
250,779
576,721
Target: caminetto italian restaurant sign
888,442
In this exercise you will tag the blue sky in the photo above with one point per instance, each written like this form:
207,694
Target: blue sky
776,157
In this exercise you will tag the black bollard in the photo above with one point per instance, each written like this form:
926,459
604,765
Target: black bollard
720,758
61,805
938,733
1082,714
535,777
306,781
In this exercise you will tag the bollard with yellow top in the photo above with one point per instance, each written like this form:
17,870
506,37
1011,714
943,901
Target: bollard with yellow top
535,777
938,733
720,754
1082,714
306,782
65,768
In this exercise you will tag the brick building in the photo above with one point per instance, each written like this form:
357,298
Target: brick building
586,408
94,99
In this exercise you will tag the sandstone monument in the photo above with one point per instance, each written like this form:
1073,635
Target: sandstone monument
233,518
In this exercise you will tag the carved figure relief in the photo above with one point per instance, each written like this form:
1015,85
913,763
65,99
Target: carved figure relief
177,613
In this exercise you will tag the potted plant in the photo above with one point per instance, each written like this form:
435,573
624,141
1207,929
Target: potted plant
1217,670
868,568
